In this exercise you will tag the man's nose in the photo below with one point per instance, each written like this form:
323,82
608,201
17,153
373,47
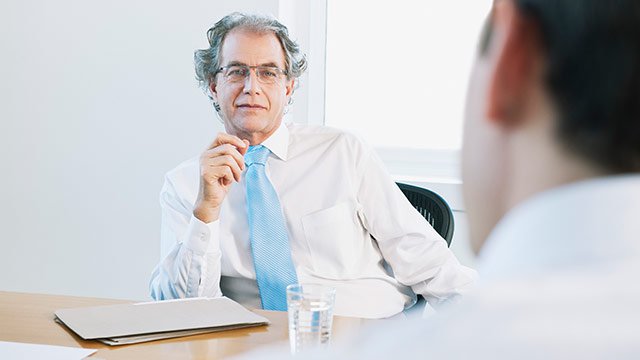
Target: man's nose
251,83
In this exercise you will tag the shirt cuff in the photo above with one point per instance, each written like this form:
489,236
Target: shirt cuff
203,238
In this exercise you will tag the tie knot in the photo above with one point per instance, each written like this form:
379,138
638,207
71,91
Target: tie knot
256,155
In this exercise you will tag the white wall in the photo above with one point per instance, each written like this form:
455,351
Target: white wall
97,101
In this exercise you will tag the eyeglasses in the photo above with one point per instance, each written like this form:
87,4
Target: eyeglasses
239,73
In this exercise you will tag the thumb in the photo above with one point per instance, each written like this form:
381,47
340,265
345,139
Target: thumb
244,149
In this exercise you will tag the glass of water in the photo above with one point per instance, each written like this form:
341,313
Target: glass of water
310,309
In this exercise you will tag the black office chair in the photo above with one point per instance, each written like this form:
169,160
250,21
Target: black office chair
433,207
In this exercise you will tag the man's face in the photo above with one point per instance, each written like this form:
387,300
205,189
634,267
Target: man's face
251,109
484,152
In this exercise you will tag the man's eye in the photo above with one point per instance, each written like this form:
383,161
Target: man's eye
237,72
268,73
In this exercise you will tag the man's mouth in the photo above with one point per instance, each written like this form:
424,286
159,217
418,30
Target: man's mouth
252,106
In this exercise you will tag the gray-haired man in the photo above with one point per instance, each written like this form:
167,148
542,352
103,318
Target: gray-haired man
344,221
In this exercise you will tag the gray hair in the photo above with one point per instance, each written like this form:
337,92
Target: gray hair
207,61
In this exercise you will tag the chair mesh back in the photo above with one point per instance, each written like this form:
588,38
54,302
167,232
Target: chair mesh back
432,207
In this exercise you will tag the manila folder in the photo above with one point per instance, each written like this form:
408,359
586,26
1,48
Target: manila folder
123,320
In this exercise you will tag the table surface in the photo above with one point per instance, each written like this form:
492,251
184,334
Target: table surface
28,318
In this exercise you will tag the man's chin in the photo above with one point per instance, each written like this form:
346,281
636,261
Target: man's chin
248,125
252,112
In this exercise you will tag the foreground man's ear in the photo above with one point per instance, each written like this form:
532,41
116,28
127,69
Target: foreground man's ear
516,53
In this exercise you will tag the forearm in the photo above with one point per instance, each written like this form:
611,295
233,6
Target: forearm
184,273
193,266
418,255
446,284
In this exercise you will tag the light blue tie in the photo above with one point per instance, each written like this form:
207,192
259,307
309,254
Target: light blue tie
268,233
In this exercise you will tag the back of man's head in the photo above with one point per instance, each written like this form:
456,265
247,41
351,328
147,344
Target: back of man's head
593,76
554,98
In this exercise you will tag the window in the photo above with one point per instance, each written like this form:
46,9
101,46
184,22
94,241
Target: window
396,73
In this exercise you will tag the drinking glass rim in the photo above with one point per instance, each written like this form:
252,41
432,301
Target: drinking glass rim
299,288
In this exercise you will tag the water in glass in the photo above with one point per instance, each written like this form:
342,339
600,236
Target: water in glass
309,323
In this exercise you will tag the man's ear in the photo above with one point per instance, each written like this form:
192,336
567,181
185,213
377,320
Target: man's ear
213,91
290,86
516,51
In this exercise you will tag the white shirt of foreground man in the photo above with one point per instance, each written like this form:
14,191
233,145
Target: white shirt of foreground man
348,224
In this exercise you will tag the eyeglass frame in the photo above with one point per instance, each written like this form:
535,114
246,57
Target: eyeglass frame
276,69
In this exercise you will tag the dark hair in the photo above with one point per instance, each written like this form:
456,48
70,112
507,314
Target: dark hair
593,76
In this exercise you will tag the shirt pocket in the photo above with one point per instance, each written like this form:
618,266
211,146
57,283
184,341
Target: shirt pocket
335,238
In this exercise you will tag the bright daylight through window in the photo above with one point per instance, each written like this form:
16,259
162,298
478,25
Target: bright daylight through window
397,71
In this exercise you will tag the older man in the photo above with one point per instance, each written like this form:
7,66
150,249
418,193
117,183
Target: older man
269,204
551,179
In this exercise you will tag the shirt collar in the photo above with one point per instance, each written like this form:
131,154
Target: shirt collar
586,223
278,142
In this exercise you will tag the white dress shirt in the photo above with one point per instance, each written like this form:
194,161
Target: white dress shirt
348,224
559,280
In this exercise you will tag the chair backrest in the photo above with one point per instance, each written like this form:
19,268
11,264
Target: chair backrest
432,207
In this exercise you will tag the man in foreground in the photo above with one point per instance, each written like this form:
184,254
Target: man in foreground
270,204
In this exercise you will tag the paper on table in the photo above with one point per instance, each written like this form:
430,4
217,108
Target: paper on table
134,339
19,351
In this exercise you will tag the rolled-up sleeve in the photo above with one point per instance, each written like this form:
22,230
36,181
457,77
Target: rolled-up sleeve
417,254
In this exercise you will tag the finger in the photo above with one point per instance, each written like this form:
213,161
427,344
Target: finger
219,175
244,150
228,161
224,138
225,150
226,177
